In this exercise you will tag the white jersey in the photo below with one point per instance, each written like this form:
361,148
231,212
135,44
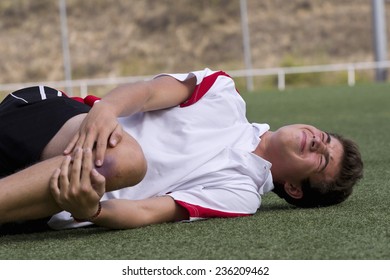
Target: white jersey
200,153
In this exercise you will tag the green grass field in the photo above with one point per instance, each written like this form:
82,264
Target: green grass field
356,229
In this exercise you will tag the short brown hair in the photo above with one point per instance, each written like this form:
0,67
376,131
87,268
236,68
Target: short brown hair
334,192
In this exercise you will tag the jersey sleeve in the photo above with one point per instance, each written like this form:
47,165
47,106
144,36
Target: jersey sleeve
221,202
205,79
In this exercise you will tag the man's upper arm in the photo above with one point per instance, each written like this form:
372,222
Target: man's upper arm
166,92
162,209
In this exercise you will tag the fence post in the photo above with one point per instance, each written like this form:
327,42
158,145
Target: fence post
380,41
65,47
281,80
351,75
246,44
83,90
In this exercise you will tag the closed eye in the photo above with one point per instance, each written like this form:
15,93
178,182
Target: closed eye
328,138
326,156
323,166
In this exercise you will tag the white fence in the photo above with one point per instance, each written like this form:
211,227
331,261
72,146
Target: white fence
281,73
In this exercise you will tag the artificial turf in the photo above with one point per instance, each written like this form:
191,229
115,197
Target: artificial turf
356,229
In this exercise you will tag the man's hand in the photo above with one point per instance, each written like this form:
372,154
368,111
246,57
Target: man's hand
101,128
77,187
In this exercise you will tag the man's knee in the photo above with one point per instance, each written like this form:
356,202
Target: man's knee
125,165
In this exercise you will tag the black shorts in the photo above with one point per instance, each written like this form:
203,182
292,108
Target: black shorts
29,119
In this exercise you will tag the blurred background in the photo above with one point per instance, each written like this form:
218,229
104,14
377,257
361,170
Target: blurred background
104,40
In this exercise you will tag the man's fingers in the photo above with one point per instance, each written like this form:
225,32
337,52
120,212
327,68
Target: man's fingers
76,167
105,140
87,165
98,182
54,188
64,174
69,148
92,182
101,147
116,136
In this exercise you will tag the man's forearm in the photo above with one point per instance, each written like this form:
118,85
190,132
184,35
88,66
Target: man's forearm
126,214
127,99
160,93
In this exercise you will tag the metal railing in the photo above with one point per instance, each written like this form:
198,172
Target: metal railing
280,72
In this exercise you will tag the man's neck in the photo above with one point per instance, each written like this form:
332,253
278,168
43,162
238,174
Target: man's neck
262,146
263,151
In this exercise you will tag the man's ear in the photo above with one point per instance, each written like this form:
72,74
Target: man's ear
295,191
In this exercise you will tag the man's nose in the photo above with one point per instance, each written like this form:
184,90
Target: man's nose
317,145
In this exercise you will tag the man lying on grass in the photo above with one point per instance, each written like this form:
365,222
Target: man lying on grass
177,147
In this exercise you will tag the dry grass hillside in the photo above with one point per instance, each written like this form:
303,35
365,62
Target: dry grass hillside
138,37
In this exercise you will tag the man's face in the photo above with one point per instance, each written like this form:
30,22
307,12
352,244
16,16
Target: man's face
299,151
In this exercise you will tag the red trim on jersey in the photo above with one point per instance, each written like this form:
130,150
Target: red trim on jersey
201,89
197,211
89,100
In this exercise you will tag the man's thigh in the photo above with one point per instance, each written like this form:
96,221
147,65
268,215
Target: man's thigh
58,143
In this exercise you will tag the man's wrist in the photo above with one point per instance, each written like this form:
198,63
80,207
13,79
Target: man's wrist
108,106
91,218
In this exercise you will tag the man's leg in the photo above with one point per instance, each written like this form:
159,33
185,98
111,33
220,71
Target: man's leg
124,165
26,195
